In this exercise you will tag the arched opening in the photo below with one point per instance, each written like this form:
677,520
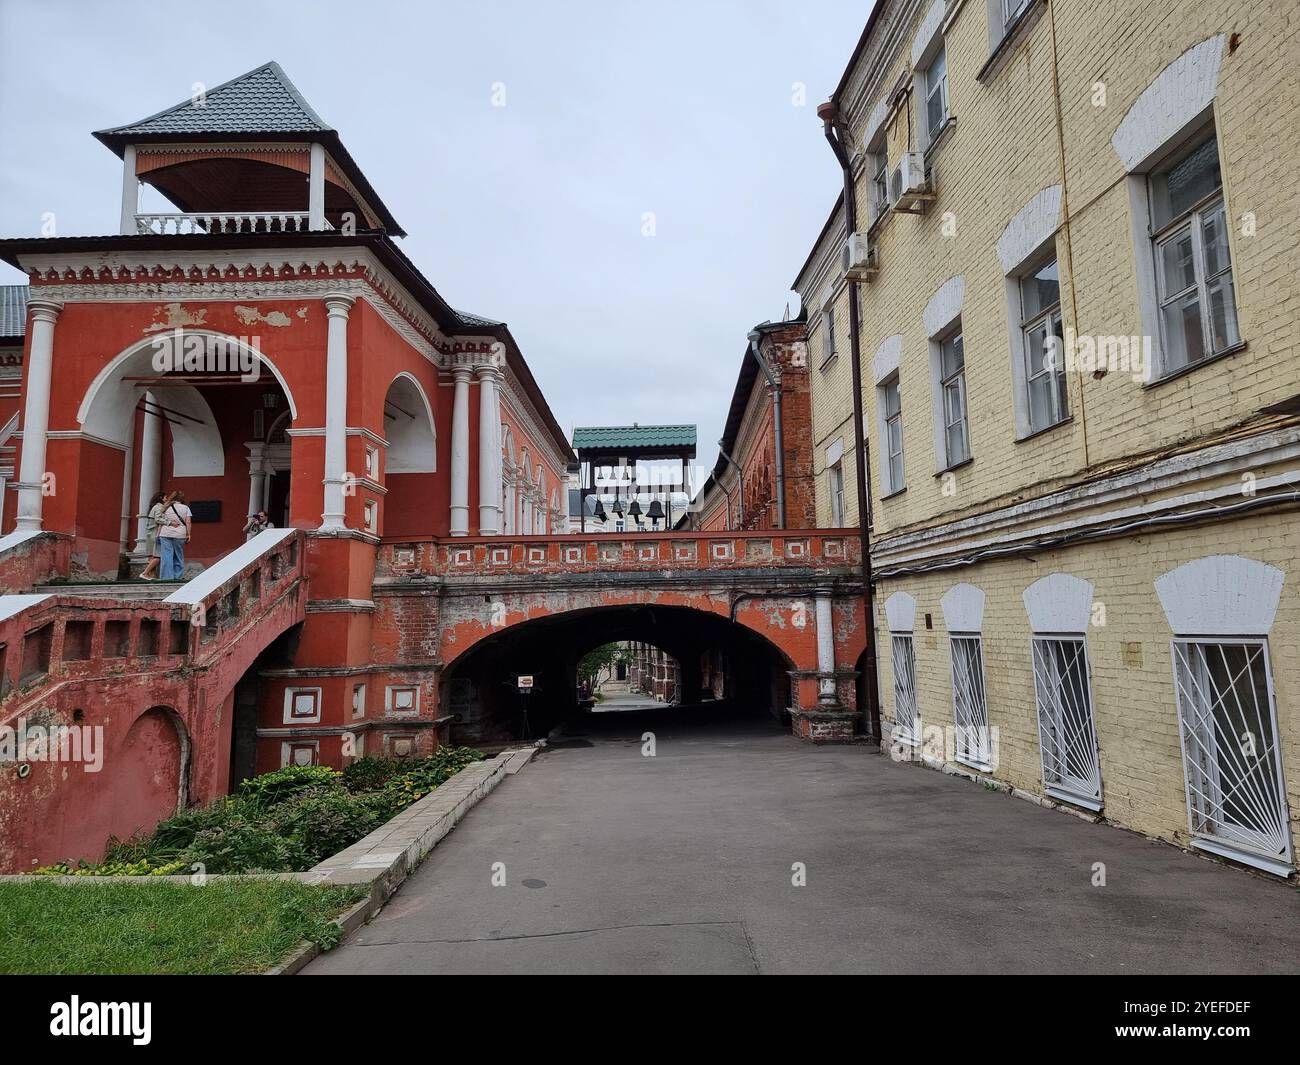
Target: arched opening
704,666
150,774
192,410
410,460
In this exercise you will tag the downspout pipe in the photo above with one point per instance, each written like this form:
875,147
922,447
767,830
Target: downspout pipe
833,127
772,380
740,486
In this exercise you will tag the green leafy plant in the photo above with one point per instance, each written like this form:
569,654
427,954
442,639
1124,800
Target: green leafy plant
276,787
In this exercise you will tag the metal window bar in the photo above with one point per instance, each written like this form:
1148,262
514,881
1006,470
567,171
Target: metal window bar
1227,717
904,662
1066,732
970,709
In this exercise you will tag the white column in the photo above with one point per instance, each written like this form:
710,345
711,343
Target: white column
130,191
460,452
336,410
489,452
316,189
150,469
256,477
825,649
36,413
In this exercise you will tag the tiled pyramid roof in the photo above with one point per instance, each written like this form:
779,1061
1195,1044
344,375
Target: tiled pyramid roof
262,101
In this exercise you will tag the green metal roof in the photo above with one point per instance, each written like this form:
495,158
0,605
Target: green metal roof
633,437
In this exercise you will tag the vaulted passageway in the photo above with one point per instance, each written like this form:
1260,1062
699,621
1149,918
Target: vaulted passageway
720,665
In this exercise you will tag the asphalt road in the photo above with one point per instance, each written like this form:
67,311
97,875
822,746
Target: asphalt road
685,862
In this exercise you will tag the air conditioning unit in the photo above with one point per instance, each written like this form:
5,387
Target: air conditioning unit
861,258
907,184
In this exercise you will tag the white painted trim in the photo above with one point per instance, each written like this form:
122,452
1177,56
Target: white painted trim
1029,231
13,605
929,36
834,452
900,610
290,694
212,578
1059,603
1165,110
945,306
887,358
871,135
1221,595
963,609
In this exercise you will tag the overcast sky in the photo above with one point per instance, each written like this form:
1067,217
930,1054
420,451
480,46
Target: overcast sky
532,212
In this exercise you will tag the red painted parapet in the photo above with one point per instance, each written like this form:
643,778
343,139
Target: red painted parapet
26,559
830,549
114,711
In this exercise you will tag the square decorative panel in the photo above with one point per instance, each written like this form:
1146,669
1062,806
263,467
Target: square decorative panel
572,555
536,555
647,552
403,557
462,557
833,548
684,553
301,705
402,699
300,753
500,556
796,549
399,746
723,552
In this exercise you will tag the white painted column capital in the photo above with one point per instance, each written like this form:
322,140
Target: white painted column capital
36,412
339,307
460,375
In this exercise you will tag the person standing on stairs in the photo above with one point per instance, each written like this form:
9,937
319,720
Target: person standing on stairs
173,534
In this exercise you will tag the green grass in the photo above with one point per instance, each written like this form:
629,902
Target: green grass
223,927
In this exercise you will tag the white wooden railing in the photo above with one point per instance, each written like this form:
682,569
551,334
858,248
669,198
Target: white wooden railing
176,224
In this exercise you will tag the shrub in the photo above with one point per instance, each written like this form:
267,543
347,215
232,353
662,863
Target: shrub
321,823
272,788
368,774
240,845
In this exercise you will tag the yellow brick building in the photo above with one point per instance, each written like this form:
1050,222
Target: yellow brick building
1076,265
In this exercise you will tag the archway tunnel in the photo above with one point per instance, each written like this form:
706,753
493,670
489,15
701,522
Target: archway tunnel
710,663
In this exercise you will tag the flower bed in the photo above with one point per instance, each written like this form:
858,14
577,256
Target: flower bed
285,821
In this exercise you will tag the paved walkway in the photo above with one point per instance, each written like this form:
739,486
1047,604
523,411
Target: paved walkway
681,863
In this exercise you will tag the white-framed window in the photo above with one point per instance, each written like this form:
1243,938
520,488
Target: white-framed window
903,658
370,515
969,703
835,476
372,462
952,397
1011,10
1227,718
1193,264
1067,735
358,700
1046,397
828,333
891,415
936,94
880,180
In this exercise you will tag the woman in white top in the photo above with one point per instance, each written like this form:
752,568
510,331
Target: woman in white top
151,546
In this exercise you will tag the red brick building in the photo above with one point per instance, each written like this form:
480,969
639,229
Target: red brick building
749,488
266,346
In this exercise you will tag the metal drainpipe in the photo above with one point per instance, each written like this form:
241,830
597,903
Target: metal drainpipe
740,486
754,339
832,122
